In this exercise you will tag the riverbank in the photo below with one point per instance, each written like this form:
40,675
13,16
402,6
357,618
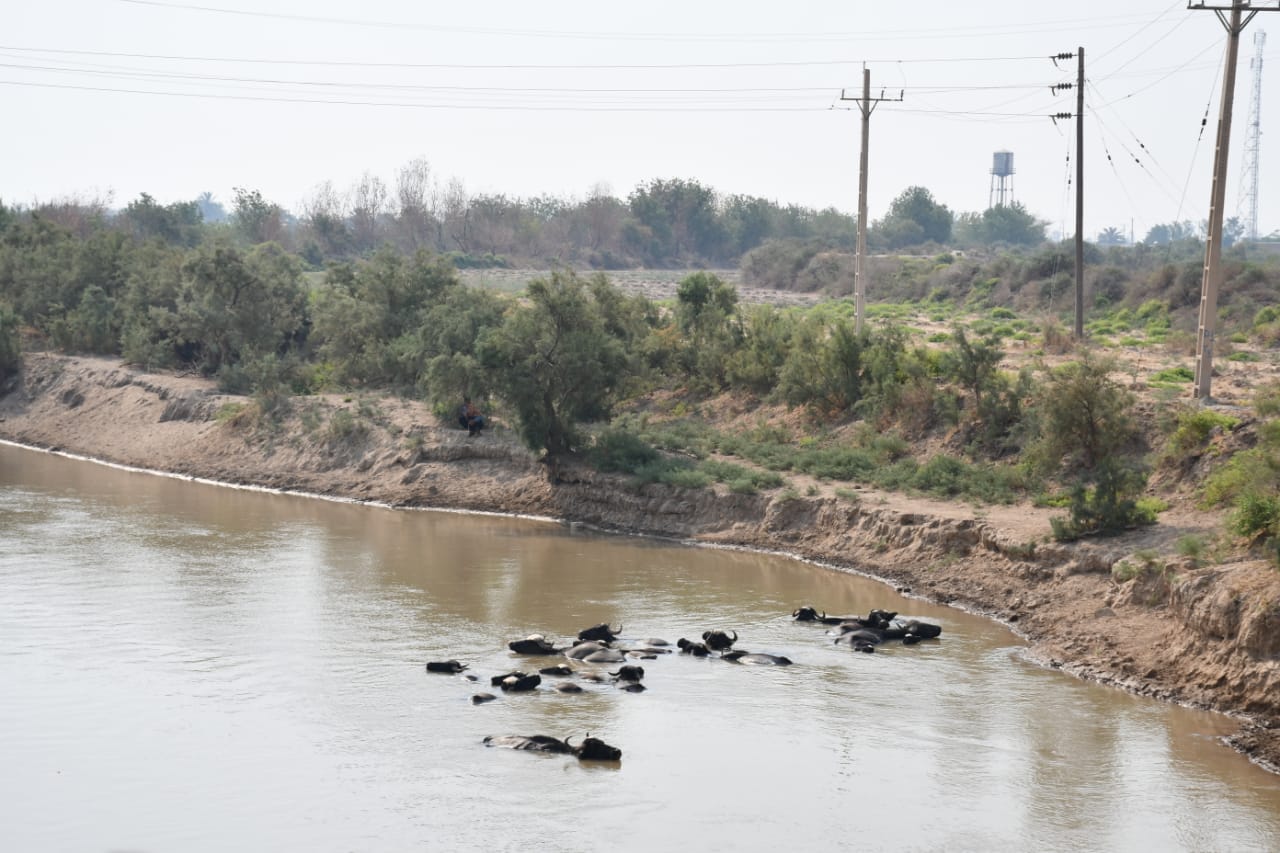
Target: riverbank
1201,632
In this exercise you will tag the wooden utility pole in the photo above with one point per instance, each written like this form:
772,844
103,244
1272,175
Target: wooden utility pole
865,104
1078,328
1212,281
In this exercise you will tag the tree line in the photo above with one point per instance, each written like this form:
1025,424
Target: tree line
661,223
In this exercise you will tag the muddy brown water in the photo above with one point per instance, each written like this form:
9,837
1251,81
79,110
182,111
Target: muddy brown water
187,667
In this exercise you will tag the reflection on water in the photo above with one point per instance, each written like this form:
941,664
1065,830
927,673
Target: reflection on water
195,668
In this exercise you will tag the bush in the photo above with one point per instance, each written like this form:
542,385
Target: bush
616,450
10,347
1256,516
1108,507
1193,429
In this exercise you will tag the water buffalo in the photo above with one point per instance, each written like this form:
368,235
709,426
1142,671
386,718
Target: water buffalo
630,672
534,644
581,650
755,658
498,679
481,698
808,613
449,666
631,687
558,669
591,749
698,650
601,633
605,656
521,683
568,687
718,640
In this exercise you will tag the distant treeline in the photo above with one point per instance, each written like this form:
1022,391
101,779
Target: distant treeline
662,223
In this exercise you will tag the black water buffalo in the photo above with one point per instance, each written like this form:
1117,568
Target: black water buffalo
755,658
519,683
591,749
688,647
808,613
601,633
449,666
631,686
498,679
718,640
481,698
630,672
558,669
568,687
534,644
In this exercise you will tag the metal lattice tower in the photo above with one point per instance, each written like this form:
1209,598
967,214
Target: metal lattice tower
1253,137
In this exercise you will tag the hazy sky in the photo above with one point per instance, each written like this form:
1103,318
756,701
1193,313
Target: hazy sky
121,97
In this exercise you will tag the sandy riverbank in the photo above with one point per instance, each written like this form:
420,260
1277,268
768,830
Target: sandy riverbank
1205,635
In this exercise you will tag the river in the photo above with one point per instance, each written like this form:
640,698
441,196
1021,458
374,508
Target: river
188,667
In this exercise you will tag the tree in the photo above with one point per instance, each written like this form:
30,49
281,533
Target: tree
1169,232
414,189
256,219
555,361
211,210
325,217
235,306
1111,236
1010,224
177,223
1085,417
368,316
368,204
680,219
914,217
706,308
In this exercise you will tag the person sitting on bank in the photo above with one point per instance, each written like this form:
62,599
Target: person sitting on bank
469,417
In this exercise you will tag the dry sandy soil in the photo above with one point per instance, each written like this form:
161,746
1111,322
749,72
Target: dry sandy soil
1204,632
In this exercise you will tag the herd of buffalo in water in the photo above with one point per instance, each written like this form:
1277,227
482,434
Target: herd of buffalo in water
600,644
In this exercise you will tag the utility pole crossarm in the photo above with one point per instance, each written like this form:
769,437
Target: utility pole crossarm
866,104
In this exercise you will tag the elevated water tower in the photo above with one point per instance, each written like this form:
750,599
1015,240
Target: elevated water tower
1001,179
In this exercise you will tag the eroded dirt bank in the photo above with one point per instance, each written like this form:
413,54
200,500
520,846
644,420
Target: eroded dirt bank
1206,635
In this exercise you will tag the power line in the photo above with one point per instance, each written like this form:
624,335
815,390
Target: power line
947,33
517,107
453,66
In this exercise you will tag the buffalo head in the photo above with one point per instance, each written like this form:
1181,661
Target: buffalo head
689,647
808,613
594,749
601,633
630,672
719,640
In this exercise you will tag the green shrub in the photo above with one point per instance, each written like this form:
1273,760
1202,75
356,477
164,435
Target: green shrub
1194,426
1107,507
616,450
1174,374
10,349
1256,516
